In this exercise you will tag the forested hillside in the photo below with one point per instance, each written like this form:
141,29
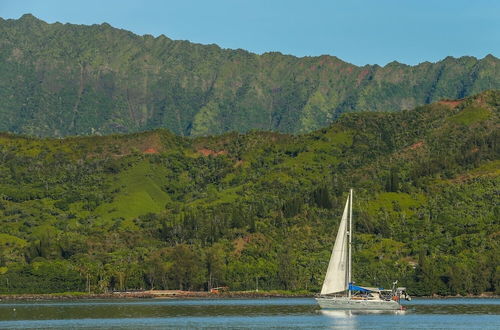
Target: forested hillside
62,79
155,210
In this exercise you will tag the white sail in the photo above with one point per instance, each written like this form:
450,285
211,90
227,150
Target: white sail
336,275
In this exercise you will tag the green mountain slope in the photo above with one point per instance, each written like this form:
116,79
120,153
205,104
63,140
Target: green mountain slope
157,210
62,79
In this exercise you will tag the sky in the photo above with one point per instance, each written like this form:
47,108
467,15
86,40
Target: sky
357,31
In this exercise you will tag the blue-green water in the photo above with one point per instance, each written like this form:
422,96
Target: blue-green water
244,313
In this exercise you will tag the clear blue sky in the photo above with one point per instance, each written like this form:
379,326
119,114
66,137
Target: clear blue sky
357,31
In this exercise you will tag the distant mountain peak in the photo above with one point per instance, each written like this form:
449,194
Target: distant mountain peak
28,18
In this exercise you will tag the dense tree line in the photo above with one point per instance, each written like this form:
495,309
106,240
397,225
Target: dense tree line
154,210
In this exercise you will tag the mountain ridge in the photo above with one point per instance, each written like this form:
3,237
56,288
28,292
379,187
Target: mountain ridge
64,79
33,18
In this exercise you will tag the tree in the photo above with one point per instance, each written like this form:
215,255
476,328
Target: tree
216,265
186,268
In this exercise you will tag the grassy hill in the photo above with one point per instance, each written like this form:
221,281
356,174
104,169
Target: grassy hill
62,79
157,210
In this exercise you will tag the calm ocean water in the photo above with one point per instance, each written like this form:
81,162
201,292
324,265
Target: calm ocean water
244,313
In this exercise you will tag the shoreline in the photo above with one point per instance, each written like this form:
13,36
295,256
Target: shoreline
154,294
178,294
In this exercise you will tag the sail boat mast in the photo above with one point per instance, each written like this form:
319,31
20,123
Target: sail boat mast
350,243
338,276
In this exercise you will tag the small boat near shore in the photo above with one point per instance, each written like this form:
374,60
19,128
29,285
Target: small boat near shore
338,290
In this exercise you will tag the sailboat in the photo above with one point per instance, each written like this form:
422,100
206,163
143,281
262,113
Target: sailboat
338,291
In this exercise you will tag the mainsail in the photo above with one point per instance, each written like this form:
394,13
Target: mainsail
336,275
